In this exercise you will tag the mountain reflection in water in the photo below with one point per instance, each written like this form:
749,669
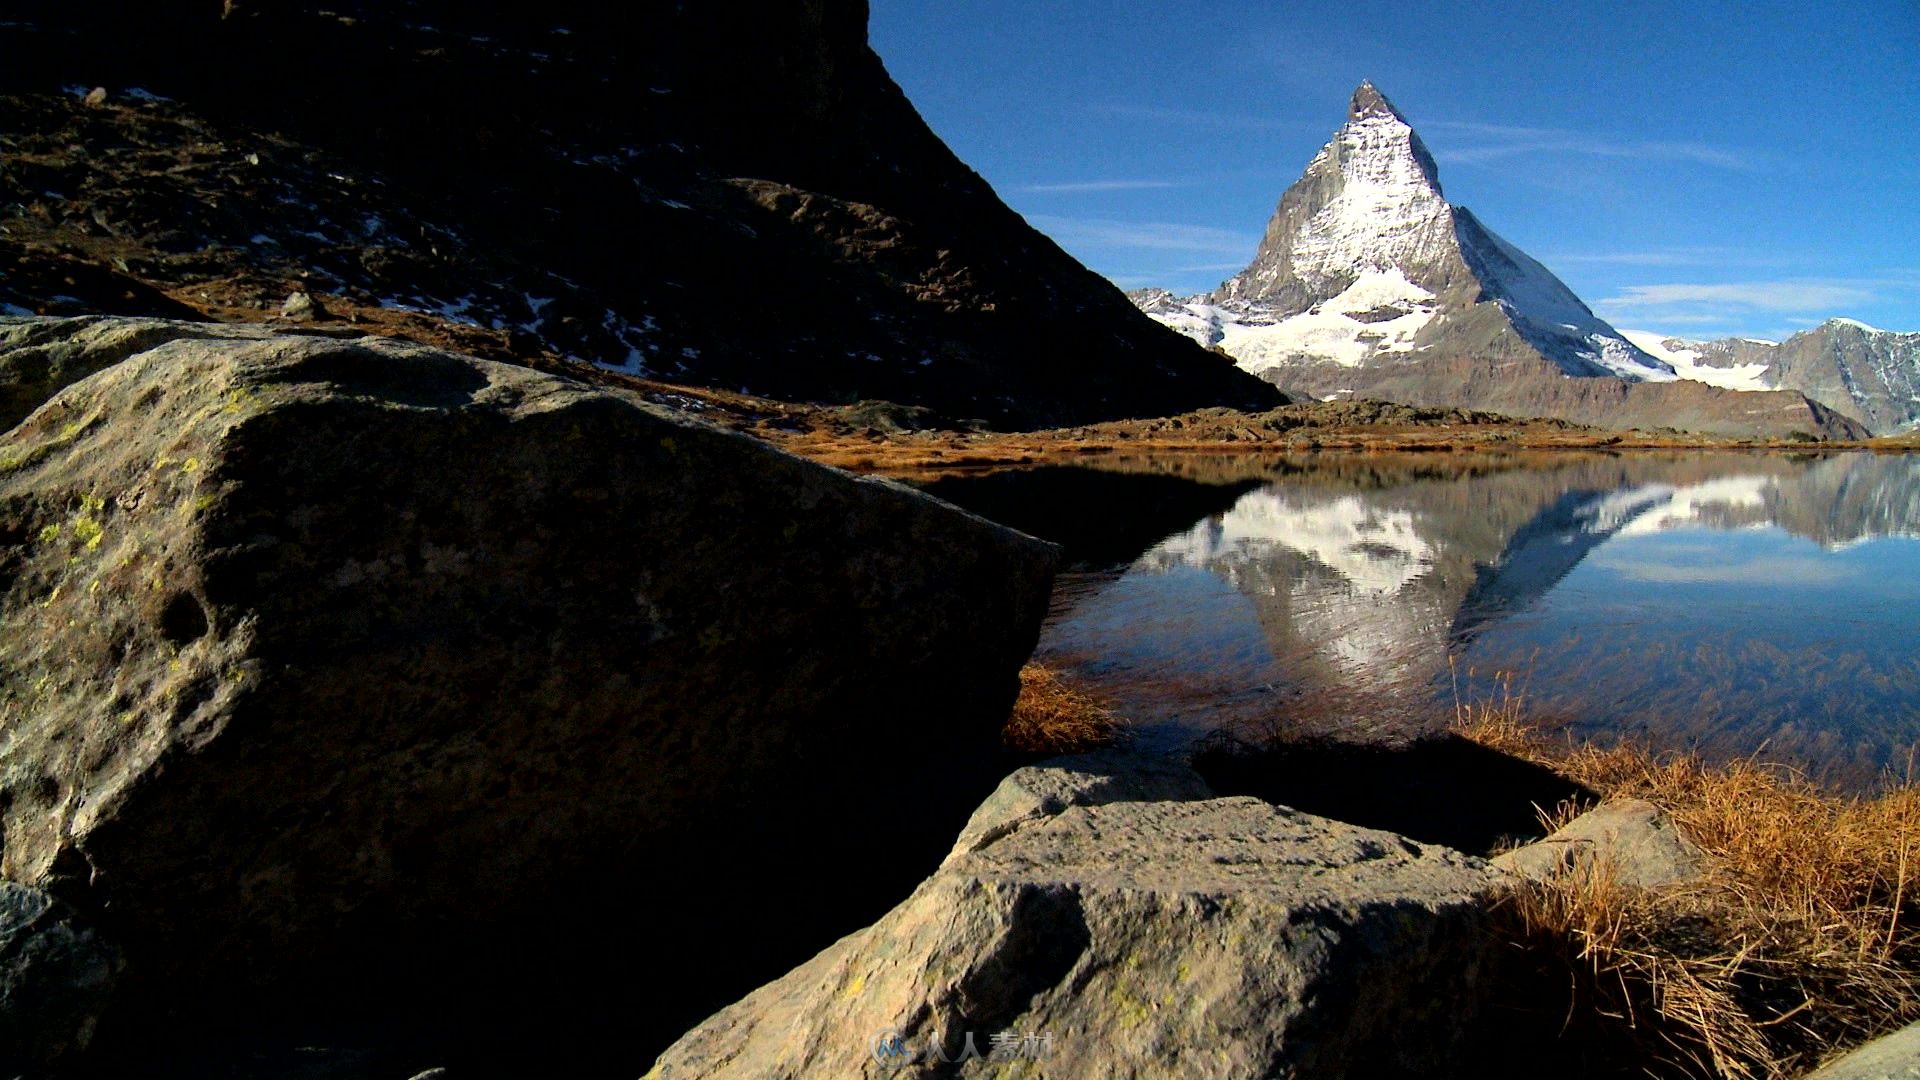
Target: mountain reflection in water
1730,602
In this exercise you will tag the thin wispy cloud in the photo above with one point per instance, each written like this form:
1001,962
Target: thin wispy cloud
1208,268
1078,187
1495,142
1152,235
1170,276
1792,295
1207,118
1769,309
1670,319
1669,256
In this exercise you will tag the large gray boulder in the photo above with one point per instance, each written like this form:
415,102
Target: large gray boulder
56,976
323,661
1209,938
1890,1057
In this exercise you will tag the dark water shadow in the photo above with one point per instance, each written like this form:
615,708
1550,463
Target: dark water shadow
605,972
1437,789
1102,519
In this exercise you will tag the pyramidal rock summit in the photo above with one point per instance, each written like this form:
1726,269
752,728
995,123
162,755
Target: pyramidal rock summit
1368,283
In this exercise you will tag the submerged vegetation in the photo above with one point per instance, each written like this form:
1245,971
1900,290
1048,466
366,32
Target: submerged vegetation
1802,938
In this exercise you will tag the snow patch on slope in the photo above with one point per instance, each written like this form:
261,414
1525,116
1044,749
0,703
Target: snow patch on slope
1547,313
1389,212
1379,313
1686,362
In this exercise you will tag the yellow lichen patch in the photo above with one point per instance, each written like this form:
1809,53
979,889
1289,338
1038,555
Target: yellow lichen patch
239,399
1126,1006
88,532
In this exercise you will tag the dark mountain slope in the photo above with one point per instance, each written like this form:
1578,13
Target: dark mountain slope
730,194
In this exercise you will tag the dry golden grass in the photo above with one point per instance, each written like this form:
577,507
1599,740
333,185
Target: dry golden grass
1051,717
1804,937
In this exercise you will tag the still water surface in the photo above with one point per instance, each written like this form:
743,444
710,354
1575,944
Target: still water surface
1734,603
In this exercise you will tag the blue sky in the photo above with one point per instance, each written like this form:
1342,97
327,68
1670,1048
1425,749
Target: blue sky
1701,168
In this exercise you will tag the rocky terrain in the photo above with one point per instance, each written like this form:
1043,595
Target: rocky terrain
569,178
324,660
1868,374
1369,284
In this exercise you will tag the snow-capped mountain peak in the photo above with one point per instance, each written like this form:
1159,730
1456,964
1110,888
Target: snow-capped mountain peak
1370,200
1370,208
1368,282
1369,101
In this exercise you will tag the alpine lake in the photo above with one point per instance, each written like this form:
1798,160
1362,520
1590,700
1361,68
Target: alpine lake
1736,604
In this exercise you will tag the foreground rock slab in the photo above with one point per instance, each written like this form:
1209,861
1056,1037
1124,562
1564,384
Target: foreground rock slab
1632,839
1037,792
341,669
1209,938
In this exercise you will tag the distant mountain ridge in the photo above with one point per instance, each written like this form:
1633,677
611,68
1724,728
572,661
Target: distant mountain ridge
1869,374
1369,283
